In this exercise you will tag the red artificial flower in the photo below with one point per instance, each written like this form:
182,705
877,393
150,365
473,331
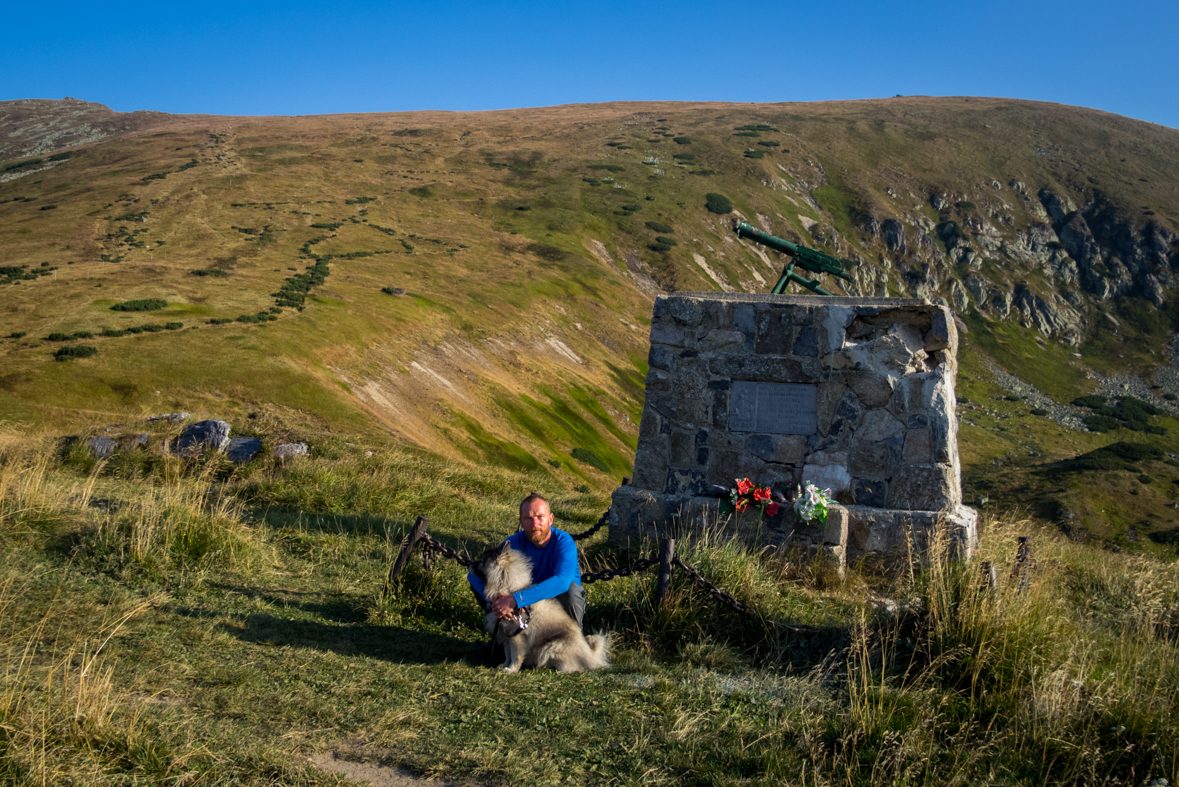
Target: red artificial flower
771,509
743,504
743,487
761,494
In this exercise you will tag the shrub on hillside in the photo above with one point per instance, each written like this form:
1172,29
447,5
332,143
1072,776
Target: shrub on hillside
682,141
216,273
658,247
76,351
755,154
659,226
717,203
684,156
546,252
30,163
666,241
590,458
769,143
607,167
1101,423
142,305
747,134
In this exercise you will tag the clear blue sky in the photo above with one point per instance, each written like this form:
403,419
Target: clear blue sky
298,58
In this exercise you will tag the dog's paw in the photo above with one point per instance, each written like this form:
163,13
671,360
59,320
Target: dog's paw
510,670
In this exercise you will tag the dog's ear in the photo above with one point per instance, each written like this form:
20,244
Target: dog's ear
503,549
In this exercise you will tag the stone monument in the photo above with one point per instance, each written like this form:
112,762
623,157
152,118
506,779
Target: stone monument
851,394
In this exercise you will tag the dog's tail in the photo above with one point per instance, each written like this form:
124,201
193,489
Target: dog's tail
600,648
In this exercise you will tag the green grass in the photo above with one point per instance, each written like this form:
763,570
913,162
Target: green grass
1052,369
223,625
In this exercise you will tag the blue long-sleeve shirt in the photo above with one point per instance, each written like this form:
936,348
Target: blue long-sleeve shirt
554,567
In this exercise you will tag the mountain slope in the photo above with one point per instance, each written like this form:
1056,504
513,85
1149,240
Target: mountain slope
521,250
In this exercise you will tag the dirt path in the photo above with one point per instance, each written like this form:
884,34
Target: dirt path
371,773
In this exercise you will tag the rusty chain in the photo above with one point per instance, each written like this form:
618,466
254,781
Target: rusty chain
622,571
704,584
601,522
435,545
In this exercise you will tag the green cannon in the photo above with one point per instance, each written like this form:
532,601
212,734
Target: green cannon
811,260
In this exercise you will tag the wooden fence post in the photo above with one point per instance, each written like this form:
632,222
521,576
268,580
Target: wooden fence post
419,527
1022,570
666,555
990,577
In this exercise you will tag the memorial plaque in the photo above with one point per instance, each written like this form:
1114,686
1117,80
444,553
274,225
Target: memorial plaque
773,408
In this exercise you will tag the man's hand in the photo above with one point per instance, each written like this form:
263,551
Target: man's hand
503,605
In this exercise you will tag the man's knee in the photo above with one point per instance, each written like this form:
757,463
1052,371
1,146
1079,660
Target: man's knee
573,600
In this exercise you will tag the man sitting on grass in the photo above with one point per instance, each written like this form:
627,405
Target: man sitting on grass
555,573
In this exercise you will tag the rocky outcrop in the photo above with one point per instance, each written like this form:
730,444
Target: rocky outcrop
894,235
36,126
1111,258
243,449
105,446
1051,317
202,436
288,451
176,418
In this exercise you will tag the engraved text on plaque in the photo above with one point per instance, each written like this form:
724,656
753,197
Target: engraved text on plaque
773,408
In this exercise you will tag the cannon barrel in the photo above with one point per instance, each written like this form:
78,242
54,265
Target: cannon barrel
745,230
812,260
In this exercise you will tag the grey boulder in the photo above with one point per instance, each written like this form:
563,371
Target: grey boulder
243,449
201,436
290,450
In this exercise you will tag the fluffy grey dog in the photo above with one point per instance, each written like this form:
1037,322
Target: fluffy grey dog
543,635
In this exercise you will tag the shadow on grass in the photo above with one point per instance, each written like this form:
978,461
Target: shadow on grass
677,637
341,609
1166,537
389,643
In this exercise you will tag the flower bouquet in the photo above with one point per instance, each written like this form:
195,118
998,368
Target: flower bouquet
812,503
746,496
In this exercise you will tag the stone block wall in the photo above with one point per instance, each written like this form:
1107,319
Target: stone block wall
854,394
